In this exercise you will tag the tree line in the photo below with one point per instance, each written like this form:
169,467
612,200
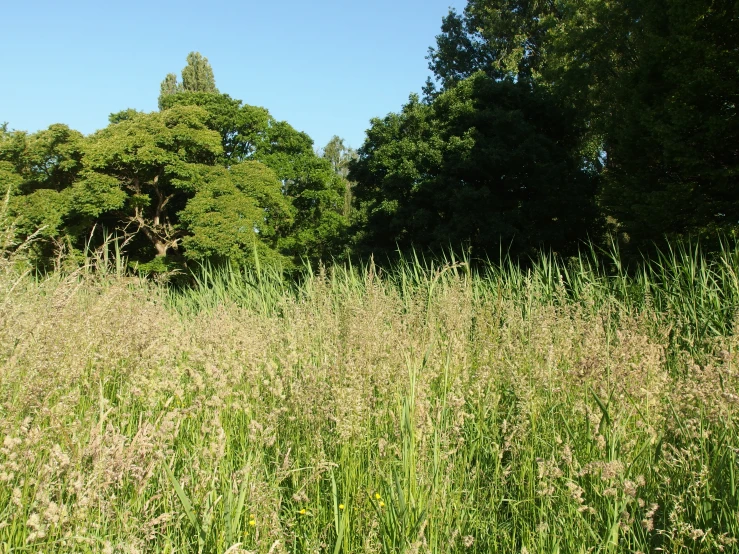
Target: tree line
207,177
545,123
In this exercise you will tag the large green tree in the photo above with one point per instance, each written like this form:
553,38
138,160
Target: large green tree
39,171
163,169
486,163
155,161
654,84
309,183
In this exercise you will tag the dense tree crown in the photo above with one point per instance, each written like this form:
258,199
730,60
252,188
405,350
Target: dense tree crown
655,85
206,177
544,124
486,163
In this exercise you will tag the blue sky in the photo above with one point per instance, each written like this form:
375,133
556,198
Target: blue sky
326,66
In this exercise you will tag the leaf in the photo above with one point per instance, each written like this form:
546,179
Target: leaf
186,504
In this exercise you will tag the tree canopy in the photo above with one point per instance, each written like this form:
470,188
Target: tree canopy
544,124
197,76
654,83
487,163
206,177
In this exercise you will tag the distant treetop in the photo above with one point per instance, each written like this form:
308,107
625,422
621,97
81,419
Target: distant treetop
197,76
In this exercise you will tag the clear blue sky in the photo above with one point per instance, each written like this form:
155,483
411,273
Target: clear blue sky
326,66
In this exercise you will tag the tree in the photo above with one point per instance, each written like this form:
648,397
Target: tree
315,192
219,179
654,84
340,155
243,128
162,179
169,86
673,128
487,163
234,213
154,161
197,76
39,170
49,159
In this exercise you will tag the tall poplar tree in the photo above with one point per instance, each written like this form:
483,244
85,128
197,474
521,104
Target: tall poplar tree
197,76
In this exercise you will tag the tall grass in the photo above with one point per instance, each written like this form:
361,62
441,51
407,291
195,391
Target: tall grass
572,406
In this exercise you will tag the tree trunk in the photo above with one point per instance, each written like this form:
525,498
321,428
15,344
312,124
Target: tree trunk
161,248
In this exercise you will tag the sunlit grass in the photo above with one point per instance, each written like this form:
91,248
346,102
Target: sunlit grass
572,406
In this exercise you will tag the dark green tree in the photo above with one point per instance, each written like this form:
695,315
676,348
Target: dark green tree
672,129
654,84
491,164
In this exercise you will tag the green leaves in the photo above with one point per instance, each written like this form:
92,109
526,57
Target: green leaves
232,214
96,194
145,167
197,76
654,88
314,225
485,164
43,210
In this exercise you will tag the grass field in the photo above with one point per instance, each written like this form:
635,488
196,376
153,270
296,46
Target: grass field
565,408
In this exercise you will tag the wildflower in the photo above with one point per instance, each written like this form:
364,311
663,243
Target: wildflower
377,496
302,512
382,504
341,506
252,522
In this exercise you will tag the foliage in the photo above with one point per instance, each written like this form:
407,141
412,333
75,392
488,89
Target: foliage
673,164
243,128
39,171
569,407
205,178
197,76
340,156
236,213
147,166
654,85
487,163
316,193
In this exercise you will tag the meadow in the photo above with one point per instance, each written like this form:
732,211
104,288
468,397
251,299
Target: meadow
570,407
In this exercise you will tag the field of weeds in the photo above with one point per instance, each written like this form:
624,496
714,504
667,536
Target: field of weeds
565,408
